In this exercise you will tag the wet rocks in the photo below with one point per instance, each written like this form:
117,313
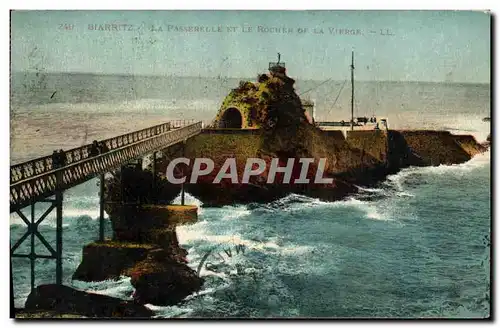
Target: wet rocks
146,249
160,280
66,300
109,259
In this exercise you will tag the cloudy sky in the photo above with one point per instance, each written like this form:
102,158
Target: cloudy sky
436,46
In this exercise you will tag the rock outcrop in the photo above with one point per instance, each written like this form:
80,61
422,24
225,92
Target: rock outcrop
269,102
435,147
66,300
160,280
146,249
109,259
469,144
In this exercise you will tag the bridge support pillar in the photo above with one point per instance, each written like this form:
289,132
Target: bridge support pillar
59,241
32,255
32,232
59,226
154,197
182,194
12,305
101,207
182,186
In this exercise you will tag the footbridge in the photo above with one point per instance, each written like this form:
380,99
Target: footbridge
46,178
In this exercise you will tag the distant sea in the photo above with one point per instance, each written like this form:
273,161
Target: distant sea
416,245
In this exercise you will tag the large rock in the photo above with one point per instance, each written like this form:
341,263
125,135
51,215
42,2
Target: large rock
67,300
161,281
112,259
435,147
109,259
268,102
134,222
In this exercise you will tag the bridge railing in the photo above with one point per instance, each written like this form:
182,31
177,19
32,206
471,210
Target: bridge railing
44,164
25,191
180,123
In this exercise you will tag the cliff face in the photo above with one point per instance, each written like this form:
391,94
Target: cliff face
436,147
372,142
363,158
345,165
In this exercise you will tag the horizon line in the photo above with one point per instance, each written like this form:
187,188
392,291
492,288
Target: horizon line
241,78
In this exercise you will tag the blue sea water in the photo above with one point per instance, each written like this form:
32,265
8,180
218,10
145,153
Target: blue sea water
416,245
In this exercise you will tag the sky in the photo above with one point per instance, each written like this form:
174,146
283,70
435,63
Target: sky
437,46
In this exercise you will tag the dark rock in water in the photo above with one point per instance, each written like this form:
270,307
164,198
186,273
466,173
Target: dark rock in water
64,299
487,143
161,281
486,119
436,148
108,259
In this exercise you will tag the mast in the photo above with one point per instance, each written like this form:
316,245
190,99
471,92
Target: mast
352,90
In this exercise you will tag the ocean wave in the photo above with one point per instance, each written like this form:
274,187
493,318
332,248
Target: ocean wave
370,208
187,236
424,174
120,288
295,202
169,311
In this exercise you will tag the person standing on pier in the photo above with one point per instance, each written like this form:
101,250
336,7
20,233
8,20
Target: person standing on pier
94,149
58,158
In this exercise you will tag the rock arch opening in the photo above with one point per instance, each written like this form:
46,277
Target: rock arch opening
231,119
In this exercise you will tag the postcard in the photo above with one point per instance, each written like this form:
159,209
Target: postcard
250,164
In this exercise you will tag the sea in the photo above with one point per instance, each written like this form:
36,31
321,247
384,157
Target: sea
417,245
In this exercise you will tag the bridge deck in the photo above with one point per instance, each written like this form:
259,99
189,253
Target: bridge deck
37,179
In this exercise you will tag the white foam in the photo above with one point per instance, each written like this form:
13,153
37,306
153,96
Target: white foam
476,162
204,272
374,190
168,311
121,288
371,211
295,250
235,212
236,239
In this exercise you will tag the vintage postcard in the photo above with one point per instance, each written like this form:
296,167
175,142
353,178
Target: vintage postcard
250,164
